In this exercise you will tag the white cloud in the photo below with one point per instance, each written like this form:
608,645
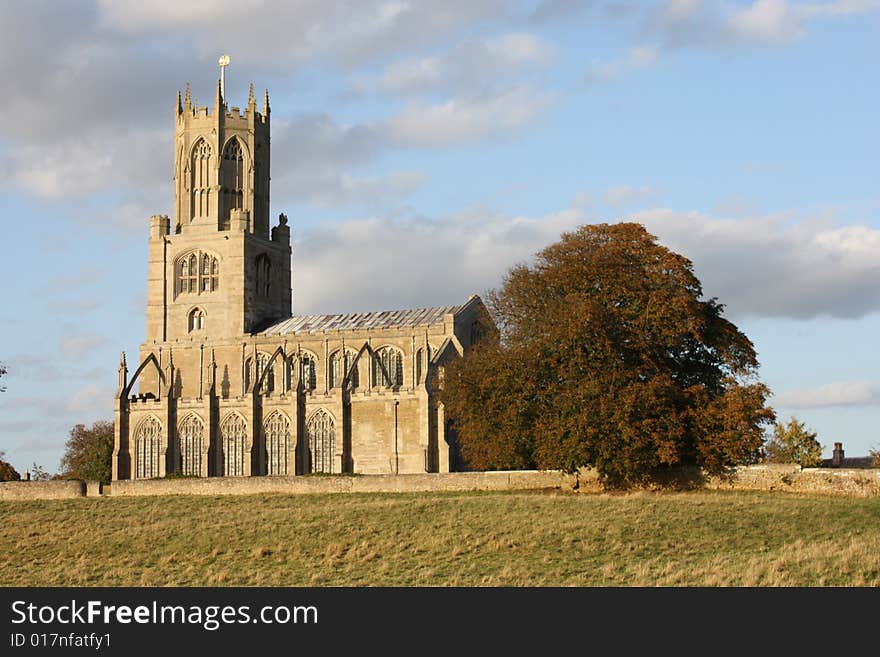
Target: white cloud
75,346
423,262
626,195
760,266
470,66
767,21
694,24
94,400
832,394
637,58
768,266
421,124
347,32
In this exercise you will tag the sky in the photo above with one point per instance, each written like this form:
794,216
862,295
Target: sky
421,149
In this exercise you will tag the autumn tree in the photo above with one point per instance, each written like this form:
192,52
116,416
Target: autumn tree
607,356
7,472
88,452
793,442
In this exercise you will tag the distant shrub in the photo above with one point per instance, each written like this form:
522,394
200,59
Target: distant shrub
792,442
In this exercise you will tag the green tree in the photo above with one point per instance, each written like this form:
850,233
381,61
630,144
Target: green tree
792,442
88,452
7,472
607,356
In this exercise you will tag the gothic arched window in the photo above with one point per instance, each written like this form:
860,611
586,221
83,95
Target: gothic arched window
252,374
233,439
193,284
197,272
342,366
321,432
147,448
192,435
276,429
420,365
231,180
308,370
387,367
183,275
196,319
200,180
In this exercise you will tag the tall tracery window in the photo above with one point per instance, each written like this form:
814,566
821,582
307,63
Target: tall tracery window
342,366
192,283
276,429
196,319
308,370
321,433
263,270
192,435
420,365
197,272
200,180
252,374
387,367
231,181
233,438
147,448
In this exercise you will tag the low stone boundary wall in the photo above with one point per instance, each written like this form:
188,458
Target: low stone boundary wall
407,483
831,481
41,490
791,478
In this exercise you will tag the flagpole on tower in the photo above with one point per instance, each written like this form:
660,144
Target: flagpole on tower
223,62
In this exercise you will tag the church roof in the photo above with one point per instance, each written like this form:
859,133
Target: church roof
353,321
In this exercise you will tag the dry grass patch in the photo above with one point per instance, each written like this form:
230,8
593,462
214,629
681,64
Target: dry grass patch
708,538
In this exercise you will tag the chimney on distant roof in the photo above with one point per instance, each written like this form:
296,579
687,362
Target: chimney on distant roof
837,456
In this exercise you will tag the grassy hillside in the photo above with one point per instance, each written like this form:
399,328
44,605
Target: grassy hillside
466,539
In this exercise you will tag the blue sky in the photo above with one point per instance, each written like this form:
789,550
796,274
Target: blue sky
439,144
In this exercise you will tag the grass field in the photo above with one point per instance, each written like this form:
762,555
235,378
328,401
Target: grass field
464,539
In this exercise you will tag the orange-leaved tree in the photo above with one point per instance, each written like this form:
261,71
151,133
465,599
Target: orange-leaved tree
608,357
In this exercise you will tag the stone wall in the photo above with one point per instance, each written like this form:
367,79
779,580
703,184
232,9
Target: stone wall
41,490
831,481
411,483
786,478
858,482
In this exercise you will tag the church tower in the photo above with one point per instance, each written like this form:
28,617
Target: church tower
216,270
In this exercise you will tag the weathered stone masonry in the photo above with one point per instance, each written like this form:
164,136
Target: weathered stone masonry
228,383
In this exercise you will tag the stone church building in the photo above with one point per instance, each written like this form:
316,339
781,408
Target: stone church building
228,382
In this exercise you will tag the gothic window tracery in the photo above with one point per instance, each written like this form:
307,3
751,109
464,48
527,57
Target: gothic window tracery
252,374
200,183
321,433
191,434
197,272
342,365
387,367
147,448
231,180
233,438
308,370
276,429
420,365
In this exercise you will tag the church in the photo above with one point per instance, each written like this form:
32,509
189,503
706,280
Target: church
228,382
